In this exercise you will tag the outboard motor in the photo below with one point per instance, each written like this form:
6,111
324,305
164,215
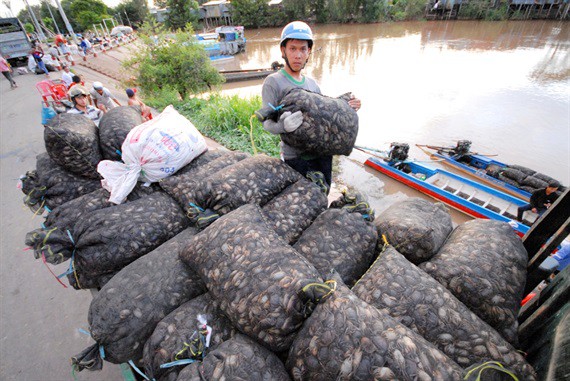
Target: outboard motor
398,152
462,148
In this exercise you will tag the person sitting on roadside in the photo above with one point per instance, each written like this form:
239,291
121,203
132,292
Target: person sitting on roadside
79,97
54,53
66,76
37,53
102,97
135,101
540,200
85,45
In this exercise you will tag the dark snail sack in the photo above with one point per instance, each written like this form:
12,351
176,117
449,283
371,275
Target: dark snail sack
255,180
109,239
181,186
179,336
348,339
294,209
51,185
55,237
339,240
416,228
126,310
483,263
330,125
398,288
238,359
114,127
257,278
72,141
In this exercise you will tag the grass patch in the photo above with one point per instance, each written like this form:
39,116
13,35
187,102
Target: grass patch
227,120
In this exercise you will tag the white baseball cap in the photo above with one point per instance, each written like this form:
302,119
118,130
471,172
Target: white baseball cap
97,85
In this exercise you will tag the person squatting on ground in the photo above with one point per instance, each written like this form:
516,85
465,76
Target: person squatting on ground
102,97
7,72
296,45
85,45
540,200
38,54
79,97
135,101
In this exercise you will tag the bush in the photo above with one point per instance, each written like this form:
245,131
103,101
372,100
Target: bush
173,62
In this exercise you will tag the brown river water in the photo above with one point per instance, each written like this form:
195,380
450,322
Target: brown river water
503,85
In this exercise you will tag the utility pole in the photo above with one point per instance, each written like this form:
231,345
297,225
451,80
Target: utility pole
8,5
131,25
53,18
120,18
66,22
39,30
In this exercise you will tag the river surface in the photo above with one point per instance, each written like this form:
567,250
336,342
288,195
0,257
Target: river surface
503,85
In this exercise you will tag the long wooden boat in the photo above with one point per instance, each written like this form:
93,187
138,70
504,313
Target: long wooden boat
467,196
478,166
246,75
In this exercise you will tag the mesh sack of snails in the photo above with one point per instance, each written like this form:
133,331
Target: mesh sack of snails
181,186
483,263
400,289
330,125
53,236
255,180
124,313
262,284
72,141
109,239
416,228
294,209
348,339
51,185
237,359
114,127
189,333
341,241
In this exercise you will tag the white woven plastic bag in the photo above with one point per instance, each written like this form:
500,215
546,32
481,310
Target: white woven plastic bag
152,151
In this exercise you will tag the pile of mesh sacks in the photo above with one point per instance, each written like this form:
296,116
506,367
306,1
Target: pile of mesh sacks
235,267
523,178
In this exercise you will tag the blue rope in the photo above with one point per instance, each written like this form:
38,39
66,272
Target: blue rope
70,268
119,153
47,209
102,352
43,226
81,330
275,108
196,206
176,363
132,364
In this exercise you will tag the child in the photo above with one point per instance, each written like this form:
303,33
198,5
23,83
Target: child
135,101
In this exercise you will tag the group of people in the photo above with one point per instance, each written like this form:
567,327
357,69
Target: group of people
99,100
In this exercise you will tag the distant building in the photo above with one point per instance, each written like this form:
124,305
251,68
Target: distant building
216,12
159,14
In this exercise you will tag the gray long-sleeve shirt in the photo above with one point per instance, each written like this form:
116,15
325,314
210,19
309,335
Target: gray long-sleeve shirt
275,87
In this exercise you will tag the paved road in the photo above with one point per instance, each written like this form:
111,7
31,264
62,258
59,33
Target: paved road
39,319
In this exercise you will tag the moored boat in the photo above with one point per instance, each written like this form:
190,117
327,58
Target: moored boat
467,196
515,180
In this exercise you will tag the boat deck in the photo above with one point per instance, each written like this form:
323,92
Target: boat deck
476,196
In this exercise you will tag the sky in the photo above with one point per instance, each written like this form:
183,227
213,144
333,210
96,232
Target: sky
18,5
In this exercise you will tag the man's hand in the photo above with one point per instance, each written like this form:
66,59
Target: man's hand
291,121
354,103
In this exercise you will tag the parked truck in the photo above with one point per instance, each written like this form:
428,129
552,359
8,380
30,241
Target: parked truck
15,44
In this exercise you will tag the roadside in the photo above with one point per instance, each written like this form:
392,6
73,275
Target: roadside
39,317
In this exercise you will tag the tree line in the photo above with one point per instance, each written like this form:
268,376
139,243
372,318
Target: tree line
82,14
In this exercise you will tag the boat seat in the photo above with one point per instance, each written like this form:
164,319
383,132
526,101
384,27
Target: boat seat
487,202
472,195
458,189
